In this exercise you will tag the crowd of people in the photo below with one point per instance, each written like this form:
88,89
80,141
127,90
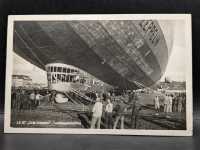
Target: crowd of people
114,111
111,109
22,99
171,103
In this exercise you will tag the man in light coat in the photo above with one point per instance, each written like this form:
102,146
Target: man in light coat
97,113
170,103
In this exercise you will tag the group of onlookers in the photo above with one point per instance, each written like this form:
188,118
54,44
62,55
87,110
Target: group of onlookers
168,103
115,112
24,99
171,103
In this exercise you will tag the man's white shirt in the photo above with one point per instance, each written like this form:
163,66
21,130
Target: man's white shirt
109,107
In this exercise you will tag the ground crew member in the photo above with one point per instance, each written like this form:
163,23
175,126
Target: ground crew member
108,110
97,113
157,104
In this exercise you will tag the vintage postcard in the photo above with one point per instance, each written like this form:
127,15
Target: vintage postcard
126,74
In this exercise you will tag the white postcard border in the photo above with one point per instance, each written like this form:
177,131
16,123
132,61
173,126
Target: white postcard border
9,69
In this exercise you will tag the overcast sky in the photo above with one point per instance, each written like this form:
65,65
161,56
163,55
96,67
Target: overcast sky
176,63
175,69
21,66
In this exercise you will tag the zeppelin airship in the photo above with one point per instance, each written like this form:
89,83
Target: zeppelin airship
121,53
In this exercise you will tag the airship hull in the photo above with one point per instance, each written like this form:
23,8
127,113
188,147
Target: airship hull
120,53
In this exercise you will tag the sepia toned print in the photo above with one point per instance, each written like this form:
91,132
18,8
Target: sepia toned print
99,74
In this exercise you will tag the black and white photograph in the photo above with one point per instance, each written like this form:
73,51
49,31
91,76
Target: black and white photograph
125,74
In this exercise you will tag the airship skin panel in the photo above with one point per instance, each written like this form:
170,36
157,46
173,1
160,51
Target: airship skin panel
79,54
64,55
135,46
159,49
20,46
131,65
96,47
107,48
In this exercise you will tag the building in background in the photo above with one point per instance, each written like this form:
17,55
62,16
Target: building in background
21,81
